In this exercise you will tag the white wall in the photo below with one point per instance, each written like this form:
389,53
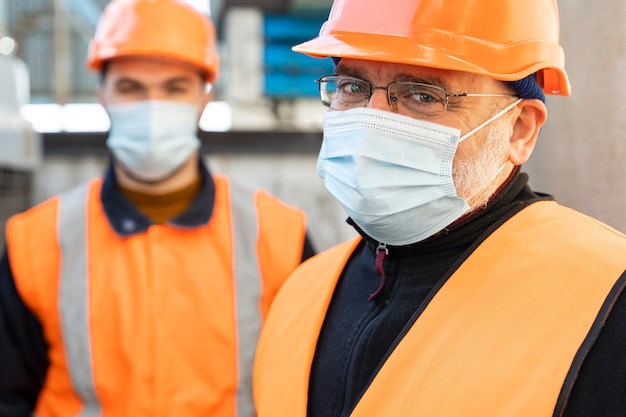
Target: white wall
581,152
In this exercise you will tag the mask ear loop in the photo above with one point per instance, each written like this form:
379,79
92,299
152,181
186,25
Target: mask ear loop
491,119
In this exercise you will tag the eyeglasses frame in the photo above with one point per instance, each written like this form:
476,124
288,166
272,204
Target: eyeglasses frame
391,99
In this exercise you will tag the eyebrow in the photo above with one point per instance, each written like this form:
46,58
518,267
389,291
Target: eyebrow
357,72
126,80
133,81
424,79
349,71
177,80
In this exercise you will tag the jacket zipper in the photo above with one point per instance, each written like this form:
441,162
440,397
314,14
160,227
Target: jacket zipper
381,253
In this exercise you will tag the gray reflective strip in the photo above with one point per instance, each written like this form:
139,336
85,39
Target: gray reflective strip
248,291
73,297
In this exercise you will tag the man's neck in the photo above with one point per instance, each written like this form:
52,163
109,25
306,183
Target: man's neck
186,175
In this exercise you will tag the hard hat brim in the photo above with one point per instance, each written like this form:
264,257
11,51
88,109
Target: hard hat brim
449,54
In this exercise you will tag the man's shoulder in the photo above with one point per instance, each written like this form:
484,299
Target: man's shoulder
44,207
566,233
584,221
330,261
546,214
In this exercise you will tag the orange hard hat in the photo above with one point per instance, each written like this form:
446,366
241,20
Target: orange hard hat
503,39
155,28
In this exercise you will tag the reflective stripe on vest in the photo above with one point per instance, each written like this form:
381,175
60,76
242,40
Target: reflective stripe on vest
73,302
73,294
247,291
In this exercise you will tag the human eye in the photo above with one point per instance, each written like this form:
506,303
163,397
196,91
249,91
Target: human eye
128,87
420,98
423,93
177,87
342,92
351,87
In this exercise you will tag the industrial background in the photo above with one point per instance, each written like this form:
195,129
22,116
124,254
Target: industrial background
264,126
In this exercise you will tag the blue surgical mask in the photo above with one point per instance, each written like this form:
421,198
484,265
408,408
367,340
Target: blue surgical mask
392,173
152,139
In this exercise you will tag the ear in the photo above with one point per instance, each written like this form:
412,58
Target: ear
207,95
532,115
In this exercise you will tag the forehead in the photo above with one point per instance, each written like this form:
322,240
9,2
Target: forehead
151,69
382,73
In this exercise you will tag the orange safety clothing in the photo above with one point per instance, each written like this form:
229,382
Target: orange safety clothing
503,336
158,323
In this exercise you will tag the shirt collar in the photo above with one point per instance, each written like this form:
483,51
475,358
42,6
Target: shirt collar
127,220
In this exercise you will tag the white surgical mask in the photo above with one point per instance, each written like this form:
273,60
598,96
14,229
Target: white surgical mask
152,139
392,173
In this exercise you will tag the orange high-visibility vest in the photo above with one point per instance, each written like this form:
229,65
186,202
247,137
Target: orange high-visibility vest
161,323
497,339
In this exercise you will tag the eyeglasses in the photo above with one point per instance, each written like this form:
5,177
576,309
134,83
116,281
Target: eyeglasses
342,92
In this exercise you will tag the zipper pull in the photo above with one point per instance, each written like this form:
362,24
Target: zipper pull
381,252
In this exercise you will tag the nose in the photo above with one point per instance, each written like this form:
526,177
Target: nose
155,94
380,99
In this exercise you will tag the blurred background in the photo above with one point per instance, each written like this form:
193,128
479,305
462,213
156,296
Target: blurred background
264,124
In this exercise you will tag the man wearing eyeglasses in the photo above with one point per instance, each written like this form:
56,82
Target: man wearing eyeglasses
467,293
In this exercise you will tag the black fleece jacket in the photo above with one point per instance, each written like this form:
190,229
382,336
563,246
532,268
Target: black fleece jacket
358,334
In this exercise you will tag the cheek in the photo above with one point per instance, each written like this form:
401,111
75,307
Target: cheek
466,150
204,100
193,96
199,115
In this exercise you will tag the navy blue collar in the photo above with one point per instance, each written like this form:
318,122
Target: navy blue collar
127,220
